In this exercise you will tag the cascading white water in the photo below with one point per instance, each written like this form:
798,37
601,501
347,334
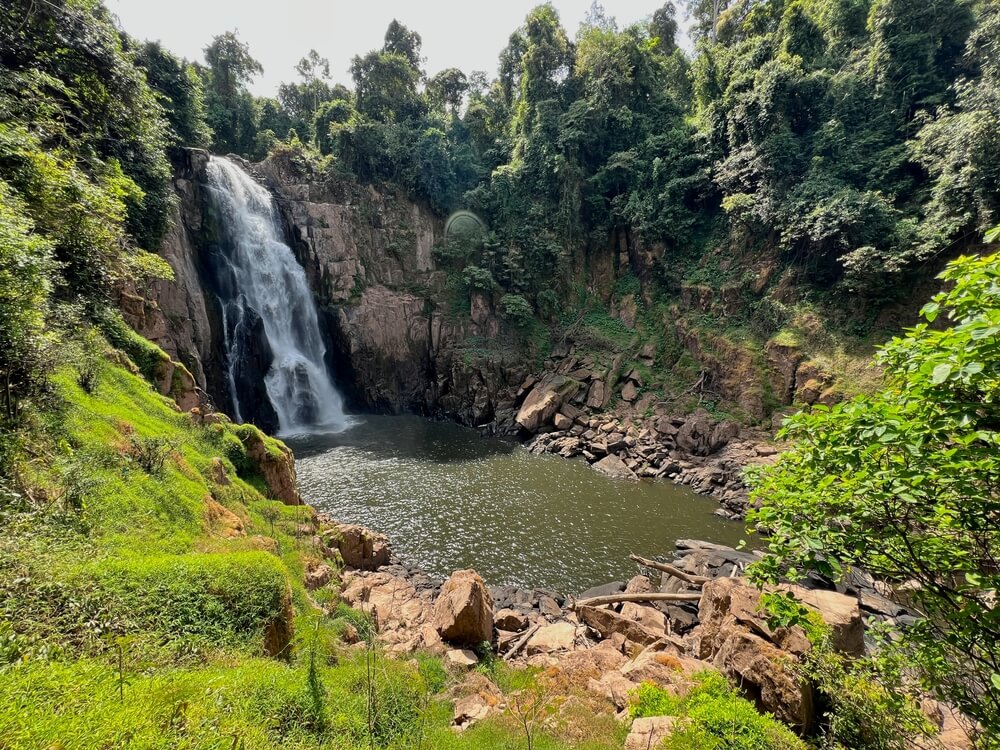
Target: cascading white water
269,281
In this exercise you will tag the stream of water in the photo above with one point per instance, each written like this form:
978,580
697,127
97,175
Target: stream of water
449,498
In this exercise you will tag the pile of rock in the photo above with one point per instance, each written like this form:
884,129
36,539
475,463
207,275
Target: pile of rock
607,649
691,450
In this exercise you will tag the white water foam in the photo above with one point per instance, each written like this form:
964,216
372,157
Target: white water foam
271,282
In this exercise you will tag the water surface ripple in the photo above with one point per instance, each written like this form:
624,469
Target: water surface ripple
449,498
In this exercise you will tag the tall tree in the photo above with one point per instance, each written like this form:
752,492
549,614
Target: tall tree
447,89
230,106
400,40
181,91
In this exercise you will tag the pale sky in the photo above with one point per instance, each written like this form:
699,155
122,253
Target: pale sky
466,35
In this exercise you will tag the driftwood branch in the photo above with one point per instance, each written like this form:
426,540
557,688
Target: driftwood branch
670,570
596,601
522,642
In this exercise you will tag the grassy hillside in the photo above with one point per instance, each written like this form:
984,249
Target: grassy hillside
151,596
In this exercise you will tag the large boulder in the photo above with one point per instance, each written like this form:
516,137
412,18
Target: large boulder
560,636
543,401
359,547
735,636
607,622
598,395
695,435
463,612
275,463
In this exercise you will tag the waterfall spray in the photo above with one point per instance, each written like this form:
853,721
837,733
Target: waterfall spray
270,284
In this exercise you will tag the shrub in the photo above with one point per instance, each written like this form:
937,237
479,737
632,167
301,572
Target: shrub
902,483
478,278
712,715
150,453
517,310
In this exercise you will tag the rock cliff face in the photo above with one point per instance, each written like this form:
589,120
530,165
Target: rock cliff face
176,314
398,338
393,345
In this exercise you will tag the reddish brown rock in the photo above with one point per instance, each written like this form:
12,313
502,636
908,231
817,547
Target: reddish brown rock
607,622
463,612
734,635
317,575
359,547
275,462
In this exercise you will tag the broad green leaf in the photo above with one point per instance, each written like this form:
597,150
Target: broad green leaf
940,374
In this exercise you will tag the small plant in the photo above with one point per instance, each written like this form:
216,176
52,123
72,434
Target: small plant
150,453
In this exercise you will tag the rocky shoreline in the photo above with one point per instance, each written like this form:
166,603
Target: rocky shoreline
643,440
612,638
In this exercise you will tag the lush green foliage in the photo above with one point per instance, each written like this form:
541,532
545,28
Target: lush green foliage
67,74
713,715
904,484
857,137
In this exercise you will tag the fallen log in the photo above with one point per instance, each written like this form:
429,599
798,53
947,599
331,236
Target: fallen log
596,601
670,570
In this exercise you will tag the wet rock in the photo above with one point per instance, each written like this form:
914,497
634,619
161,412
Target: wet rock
463,612
615,467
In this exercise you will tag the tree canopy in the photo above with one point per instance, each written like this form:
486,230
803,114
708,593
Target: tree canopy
905,484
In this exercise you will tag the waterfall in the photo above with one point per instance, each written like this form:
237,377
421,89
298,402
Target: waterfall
268,284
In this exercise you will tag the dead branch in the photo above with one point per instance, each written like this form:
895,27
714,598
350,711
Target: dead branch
596,601
670,570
